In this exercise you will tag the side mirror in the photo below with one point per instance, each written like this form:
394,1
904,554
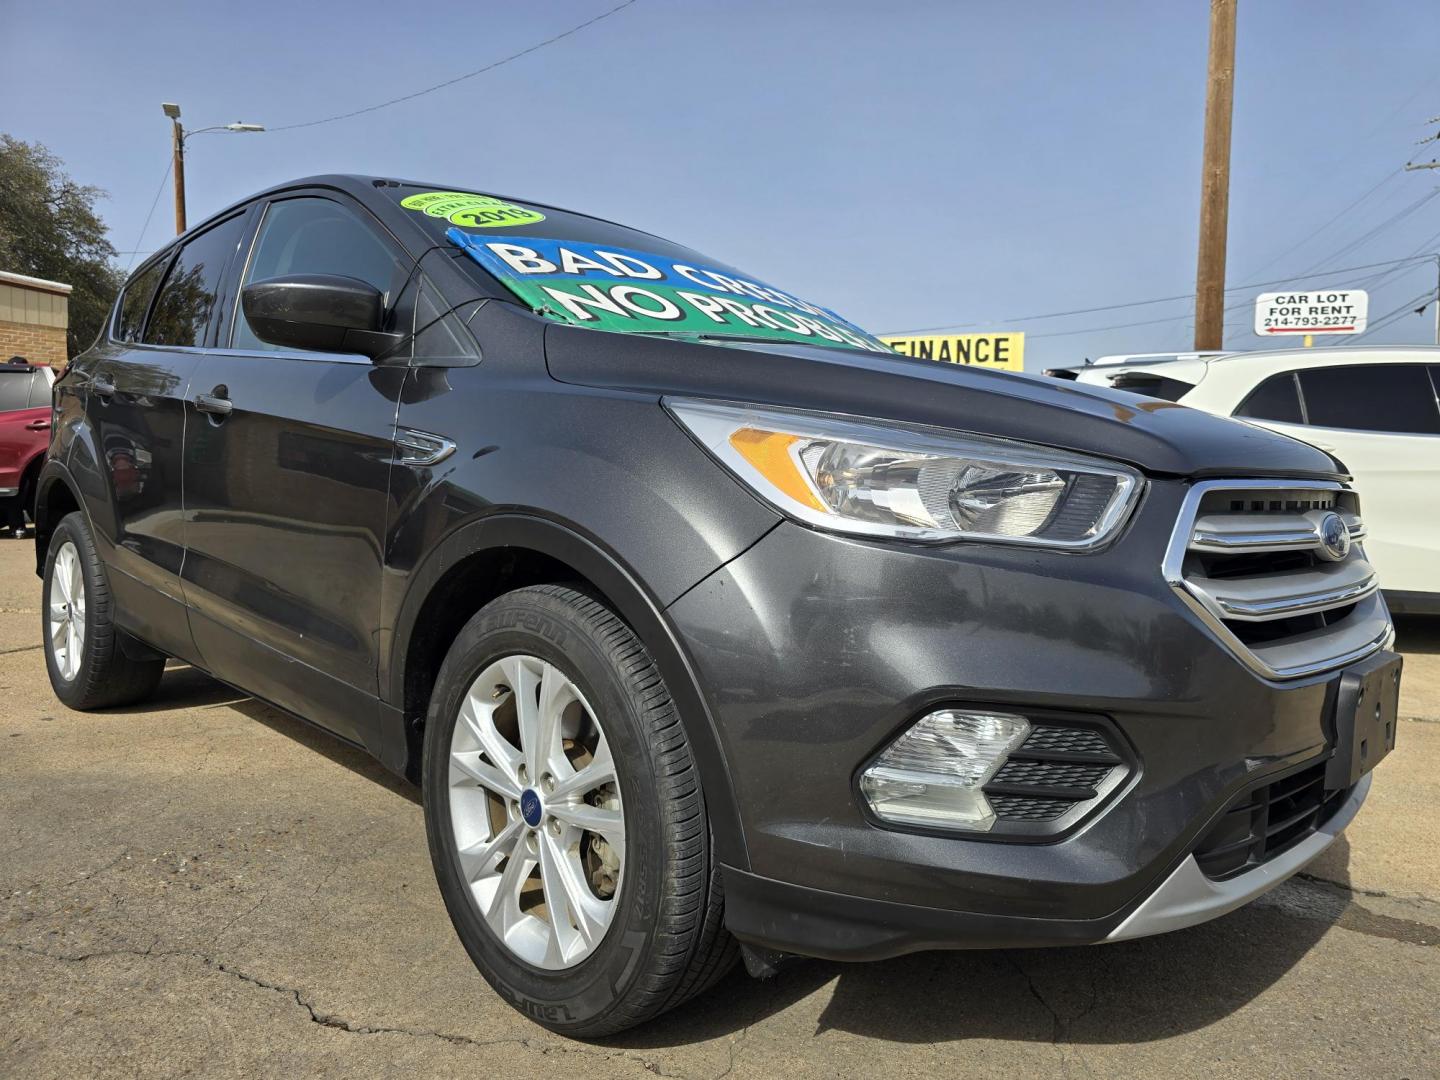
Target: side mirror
323,312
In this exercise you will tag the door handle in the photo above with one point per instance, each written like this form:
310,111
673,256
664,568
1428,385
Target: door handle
102,386
38,425
215,403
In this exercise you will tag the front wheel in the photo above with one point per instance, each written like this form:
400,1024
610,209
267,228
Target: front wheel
88,667
565,817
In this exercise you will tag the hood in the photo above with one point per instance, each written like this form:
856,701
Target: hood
1157,437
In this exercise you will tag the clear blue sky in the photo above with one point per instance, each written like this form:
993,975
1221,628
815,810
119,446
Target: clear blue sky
908,163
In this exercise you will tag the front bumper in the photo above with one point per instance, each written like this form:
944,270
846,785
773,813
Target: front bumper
814,922
815,651
1188,897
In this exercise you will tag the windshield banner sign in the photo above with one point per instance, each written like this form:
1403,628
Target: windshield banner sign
618,288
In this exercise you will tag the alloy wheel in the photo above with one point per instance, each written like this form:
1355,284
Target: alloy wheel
536,811
67,611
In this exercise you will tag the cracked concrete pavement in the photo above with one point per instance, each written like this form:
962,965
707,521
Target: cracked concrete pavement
203,886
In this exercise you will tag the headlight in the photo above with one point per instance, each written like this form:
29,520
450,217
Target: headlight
875,479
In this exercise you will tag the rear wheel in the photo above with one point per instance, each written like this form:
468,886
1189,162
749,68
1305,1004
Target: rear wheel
87,665
565,817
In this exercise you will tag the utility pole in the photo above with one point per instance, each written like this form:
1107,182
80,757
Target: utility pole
1412,166
1437,300
178,169
1215,179
1416,166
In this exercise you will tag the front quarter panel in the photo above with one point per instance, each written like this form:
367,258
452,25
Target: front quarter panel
613,468
604,482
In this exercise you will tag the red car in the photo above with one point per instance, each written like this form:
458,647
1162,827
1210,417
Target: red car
24,435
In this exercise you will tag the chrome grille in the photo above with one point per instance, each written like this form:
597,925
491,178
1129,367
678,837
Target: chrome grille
1251,559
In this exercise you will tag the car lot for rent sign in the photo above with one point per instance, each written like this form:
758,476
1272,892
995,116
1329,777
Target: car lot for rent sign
1319,311
1004,351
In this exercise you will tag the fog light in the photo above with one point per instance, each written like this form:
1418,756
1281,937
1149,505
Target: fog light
932,774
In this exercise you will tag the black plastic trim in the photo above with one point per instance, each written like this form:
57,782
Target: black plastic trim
831,926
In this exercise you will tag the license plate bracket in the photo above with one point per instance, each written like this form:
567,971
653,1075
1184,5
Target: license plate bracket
1366,718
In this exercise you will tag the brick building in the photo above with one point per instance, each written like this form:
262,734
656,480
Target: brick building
34,315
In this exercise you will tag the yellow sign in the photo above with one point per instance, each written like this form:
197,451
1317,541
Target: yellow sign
1003,351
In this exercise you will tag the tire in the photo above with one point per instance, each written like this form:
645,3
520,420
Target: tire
88,670
664,941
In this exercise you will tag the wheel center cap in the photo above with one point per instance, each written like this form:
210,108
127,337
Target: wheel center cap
530,808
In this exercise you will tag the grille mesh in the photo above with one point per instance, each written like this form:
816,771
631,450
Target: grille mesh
1059,773
1028,807
1056,770
1069,739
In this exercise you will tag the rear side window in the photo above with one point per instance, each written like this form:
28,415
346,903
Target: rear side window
1393,398
317,236
14,391
187,299
1155,386
1277,398
136,302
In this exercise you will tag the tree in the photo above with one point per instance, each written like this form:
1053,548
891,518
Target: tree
49,229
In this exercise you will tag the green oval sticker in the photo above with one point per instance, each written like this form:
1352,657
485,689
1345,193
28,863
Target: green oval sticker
472,211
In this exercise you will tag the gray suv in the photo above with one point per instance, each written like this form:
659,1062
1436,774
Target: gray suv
709,627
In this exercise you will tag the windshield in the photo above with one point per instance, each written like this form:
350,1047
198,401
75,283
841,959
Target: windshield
587,272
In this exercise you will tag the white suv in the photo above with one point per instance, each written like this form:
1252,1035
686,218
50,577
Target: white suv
1376,409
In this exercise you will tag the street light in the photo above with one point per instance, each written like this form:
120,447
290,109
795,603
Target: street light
172,110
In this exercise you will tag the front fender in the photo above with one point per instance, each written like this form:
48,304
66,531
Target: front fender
625,593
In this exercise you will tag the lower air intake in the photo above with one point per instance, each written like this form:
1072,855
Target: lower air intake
1266,820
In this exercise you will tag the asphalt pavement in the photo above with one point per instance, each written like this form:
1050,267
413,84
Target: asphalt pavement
205,886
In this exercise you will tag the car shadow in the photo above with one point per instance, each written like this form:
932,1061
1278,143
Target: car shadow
1417,633
183,687
186,687
330,745
1129,992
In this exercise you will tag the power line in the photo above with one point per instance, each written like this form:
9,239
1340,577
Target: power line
1372,280
1413,261
459,78
1154,300
1428,244
153,203
1396,314
1331,221
1422,88
1365,238
1115,326
1175,318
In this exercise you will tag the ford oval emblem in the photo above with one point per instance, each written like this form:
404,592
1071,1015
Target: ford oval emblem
1334,537
530,807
